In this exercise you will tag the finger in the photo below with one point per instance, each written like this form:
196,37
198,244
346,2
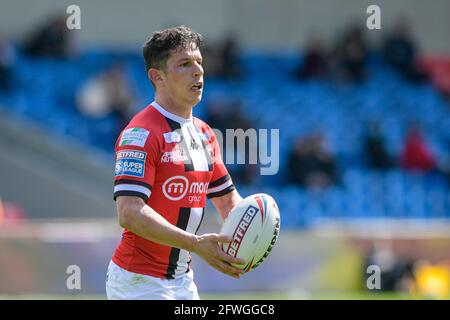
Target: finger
222,270
233,268
211,236
226,268
219,237
239,261
232,260
230,270
224,238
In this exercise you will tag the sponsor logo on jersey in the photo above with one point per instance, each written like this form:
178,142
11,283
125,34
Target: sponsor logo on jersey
171,137
130,163
134,137
195,146
131,154
176,156
177,187
241,230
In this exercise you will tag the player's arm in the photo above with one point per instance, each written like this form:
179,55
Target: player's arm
139,218
225,203
136,216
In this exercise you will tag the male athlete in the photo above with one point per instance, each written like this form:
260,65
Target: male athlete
167,164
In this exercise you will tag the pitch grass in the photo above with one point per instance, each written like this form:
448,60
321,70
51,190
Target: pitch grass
243,296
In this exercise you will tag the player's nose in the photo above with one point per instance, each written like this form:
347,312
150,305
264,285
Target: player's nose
198,70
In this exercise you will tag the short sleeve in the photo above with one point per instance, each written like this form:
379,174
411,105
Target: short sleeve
136,155
221,182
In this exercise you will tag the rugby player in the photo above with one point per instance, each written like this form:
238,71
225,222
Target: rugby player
167,163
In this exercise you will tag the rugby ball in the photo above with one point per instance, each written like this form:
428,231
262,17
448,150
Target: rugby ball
254,225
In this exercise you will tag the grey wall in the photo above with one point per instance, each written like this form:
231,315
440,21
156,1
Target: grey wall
51,177
258,22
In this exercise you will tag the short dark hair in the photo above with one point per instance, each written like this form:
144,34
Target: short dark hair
157,49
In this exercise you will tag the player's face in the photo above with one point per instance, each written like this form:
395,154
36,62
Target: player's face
183,77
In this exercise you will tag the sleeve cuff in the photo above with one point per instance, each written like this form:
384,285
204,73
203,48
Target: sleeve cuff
125,188
130,194
221,192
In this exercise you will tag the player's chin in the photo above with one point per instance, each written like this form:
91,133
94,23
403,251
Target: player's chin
196,97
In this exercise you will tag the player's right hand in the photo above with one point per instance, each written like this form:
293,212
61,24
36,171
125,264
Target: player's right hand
207,247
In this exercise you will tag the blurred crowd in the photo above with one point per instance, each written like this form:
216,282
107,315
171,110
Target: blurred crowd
346,61
311,163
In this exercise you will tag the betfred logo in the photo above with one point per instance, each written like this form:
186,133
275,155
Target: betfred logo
177,187
130,163
241,230
131,154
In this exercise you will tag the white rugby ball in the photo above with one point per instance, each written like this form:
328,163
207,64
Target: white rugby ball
254,225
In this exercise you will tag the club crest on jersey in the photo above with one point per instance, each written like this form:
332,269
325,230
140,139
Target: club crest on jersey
171,137
134,137
130,163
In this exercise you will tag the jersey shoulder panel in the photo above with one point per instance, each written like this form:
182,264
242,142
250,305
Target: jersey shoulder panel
208,133
150,119
201,124
137,151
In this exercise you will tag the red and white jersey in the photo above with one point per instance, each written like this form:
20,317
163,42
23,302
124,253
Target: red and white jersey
173,164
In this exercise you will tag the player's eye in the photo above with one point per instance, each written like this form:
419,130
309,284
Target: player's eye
185,64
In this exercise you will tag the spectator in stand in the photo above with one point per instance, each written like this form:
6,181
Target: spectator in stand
217,114
227,114
311,165
211,61
7,60
351,55
230,68
53,39
315,61
374,147
416,154
223,115
438,72
400,51
107,93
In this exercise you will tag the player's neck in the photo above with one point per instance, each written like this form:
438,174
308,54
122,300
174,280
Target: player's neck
181,111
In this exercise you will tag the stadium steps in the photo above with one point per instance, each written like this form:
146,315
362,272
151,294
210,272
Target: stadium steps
51,176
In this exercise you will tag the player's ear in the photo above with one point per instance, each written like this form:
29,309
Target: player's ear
155,75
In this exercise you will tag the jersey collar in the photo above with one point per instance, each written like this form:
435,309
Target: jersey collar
170,115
